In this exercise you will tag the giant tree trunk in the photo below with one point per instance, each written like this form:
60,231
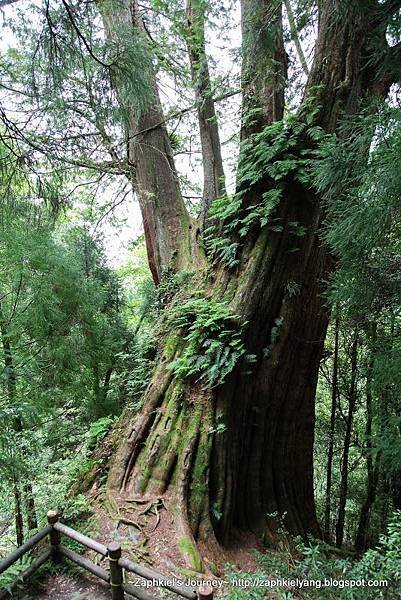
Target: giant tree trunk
233,455
170,233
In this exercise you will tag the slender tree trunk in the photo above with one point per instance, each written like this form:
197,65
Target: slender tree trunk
213,172
330,453
352,399
19,522
373,465
30,510
295,36
388,491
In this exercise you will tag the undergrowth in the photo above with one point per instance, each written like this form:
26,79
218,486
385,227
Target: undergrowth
324,574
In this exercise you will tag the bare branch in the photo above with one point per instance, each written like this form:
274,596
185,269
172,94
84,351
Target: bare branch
7,2
82,37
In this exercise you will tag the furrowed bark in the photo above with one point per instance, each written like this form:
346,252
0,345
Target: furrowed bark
213,172
261,462
169,231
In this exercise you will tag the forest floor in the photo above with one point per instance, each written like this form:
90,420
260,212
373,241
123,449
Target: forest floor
62,586
145,529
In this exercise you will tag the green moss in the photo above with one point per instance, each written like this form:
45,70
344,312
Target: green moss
156,472
170,346
189,549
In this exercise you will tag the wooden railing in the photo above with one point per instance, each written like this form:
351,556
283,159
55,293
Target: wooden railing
114,576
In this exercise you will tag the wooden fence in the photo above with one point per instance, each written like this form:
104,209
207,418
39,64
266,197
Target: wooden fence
114,576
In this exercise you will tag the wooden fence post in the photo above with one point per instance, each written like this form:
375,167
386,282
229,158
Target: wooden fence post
205,592
55,537
116,572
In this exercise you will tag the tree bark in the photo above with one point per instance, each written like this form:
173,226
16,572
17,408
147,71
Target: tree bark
330,453
213,172
260,462
352,399
170,233
373,465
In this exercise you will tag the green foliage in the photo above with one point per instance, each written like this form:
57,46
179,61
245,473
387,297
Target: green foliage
316,563
359,175
62,331
98,430
13,574
363,206
213,341
274,155
384,561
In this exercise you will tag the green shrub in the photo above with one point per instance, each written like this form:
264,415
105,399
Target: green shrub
317,561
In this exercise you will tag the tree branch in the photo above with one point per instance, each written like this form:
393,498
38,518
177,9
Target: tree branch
390,7
82,37
7,2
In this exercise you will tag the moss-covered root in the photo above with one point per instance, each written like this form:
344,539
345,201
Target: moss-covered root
186,541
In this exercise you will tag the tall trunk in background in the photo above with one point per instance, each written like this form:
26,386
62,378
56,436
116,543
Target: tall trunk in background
213,172
352,399
260,463
170,234
373,464
18,516
264,65
30,509
389,497
330,453
295,36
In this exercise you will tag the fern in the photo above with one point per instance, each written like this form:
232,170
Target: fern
213,337
274,153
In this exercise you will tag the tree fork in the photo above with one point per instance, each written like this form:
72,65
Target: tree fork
262,462
170,232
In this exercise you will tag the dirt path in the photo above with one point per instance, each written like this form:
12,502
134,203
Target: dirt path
61,586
